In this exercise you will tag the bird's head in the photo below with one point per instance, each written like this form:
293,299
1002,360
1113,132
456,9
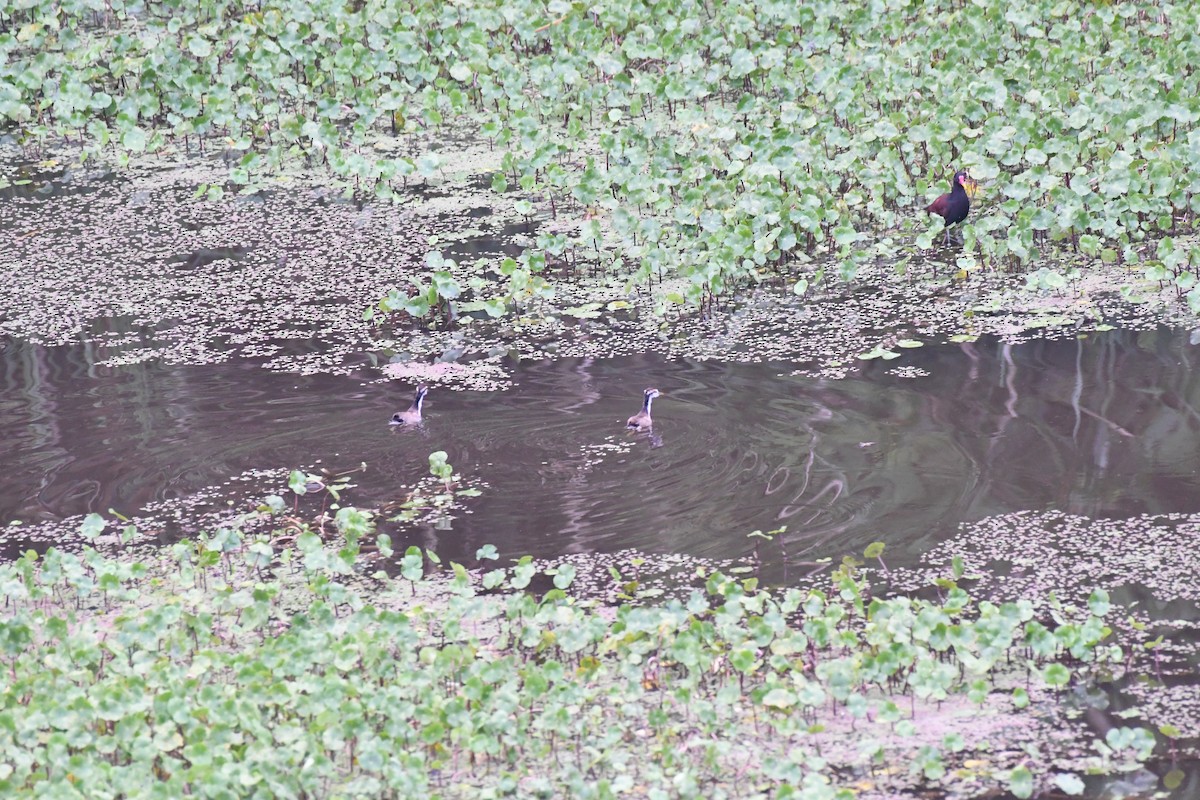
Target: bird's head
967,182
652,393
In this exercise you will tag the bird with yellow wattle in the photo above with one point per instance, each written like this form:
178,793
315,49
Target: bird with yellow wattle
954,206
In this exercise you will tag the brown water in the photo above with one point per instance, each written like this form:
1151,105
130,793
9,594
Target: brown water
1106,426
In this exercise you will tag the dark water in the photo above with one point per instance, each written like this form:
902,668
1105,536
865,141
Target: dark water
1107,426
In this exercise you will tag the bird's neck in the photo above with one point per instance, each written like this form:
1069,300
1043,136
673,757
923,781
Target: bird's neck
646,403
417,401
958,189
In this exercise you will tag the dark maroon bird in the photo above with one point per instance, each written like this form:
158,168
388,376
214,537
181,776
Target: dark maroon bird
953,207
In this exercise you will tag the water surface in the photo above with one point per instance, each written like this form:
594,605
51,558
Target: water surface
1103,426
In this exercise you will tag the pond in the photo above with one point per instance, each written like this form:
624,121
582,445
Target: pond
901,451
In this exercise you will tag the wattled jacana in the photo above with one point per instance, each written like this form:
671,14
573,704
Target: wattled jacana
953,207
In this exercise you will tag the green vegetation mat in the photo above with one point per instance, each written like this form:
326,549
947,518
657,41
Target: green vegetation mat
706,142
283,664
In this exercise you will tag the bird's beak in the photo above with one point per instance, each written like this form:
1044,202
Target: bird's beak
972,186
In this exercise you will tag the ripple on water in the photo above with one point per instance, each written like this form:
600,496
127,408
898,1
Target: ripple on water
1103,426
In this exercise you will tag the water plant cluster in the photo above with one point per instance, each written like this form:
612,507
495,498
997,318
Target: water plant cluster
709,143
323,663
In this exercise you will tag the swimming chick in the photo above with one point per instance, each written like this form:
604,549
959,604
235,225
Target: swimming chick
412,415
642,419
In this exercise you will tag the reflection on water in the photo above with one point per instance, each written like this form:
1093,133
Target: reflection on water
1107,426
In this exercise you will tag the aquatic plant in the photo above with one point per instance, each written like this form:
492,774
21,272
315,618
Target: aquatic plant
706,146
1147,561
433,300
434,499
237,663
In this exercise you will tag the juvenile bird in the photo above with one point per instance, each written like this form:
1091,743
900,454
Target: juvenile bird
412,415
642,419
